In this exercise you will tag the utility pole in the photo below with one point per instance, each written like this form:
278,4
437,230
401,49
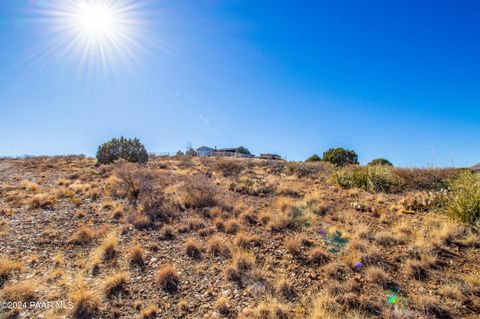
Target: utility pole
433,157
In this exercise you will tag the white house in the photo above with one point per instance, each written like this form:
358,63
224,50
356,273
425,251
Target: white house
205,151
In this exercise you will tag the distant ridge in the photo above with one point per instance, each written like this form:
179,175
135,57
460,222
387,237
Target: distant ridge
476,168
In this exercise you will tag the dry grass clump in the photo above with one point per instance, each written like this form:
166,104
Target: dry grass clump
136,255
22,291
192,249
215,212
7,268
363,304
115,284
325,306
387,239
140,221
376,275
207,231
195,223
109,247
118,212
241,265
431,307
150,312
58,259
63,182
425,179
289,188
361,232
308,169
253,186
292,214
316,203
183,305
244,240
229,167
336,270
42,201
248,217
448,233
451,291
168,232
78,187
280,222
83,235
198,192
232,226
219,224
243,261
80,214
471,282
28,185
268,309
222,306
416,269
3,227
33,260
86,303
285,288
294,246
167,279
318,256
218,247
264,217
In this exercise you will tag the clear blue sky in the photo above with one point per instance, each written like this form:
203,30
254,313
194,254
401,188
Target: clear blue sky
394,79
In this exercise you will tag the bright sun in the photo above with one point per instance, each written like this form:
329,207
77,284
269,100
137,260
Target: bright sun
97,19
103,35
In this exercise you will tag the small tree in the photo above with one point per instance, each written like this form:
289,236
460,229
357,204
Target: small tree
131,150
191,152
243,150
380,161
340,156
314,158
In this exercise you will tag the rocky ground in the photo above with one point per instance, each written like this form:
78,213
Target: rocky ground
214,238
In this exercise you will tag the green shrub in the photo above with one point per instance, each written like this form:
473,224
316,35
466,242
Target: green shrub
340,157
313,158
243,150
380,161
463,203
370,178
130,150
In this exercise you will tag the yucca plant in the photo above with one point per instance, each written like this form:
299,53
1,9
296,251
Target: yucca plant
463,203
375,178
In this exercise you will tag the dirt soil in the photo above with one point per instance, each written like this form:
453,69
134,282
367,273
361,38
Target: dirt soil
316,250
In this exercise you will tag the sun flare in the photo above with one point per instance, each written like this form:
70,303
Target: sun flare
97,19
93,35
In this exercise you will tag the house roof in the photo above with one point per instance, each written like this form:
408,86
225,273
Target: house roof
204,148
232,149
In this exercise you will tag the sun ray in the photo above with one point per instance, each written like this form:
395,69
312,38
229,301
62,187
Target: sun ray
96,36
